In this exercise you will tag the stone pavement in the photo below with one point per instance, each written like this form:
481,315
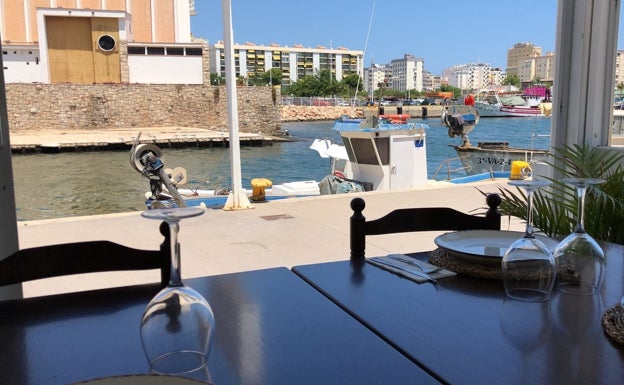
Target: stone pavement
286,232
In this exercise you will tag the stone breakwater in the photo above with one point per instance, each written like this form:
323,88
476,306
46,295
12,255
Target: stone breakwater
309,113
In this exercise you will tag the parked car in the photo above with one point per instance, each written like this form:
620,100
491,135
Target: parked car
320,102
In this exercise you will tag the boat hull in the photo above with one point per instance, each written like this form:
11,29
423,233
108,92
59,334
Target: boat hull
498,111
481,159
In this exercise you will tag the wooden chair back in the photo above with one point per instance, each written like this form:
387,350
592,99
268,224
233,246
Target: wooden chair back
84,257
418,219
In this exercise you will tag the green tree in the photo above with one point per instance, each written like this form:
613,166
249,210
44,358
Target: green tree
272,77
512,80
325,84
307,86
447,88
352,83
216,79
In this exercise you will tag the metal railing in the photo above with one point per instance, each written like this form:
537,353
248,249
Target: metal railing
447,163
319,101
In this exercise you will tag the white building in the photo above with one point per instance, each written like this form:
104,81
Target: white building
407,73
474,76
374,75
619,67
497,76
432,82
295,62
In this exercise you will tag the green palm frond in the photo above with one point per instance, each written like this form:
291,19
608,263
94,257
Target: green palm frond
556,207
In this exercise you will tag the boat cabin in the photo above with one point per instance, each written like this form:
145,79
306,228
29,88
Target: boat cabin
388,156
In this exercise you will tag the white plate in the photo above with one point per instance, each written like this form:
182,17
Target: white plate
142,379
485,243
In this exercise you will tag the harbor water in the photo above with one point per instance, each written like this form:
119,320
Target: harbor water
90,183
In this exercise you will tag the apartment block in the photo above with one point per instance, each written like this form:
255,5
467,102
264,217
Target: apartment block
474,76
375,75
407,73
540,68
296,62
619,67
519,53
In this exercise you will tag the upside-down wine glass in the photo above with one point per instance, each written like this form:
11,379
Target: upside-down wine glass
580,260
177,326
528,265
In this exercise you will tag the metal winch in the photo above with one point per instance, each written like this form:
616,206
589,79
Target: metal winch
145,158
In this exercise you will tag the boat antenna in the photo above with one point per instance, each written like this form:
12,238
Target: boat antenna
370,24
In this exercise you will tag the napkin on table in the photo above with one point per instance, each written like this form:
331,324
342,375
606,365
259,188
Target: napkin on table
403,269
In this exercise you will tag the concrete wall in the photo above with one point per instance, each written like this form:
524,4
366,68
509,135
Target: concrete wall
174,70
22,64
100,106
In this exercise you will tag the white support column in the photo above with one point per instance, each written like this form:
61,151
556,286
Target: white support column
237,198
2,25
584,72
27,20
182,22
153,20
8,218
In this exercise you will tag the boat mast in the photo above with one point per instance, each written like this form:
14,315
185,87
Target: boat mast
370,23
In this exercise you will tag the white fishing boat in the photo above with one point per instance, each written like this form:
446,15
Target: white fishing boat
489,157
494,104
169,186
384,157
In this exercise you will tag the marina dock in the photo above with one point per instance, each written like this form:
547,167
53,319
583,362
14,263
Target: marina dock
53,141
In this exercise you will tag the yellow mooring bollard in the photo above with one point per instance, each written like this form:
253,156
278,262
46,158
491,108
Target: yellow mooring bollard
258,187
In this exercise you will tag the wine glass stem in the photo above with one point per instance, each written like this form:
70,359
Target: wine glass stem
176,278
528,233
580,195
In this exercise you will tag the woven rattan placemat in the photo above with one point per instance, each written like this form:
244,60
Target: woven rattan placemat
453,261
613,323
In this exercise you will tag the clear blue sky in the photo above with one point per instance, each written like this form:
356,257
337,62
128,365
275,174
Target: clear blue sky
442,33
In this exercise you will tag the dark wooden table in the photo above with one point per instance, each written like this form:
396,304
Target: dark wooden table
466,332
271,328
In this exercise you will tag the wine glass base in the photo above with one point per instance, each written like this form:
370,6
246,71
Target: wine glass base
578,288
179,363
528,295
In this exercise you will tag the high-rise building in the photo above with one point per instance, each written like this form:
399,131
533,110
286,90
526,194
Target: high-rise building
295,62
619,68
538,68
407,73
519,53
474,76
375,75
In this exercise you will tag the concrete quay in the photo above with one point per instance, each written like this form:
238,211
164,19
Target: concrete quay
51,141
286,233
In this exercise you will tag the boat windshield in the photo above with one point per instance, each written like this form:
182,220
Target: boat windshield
512,100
